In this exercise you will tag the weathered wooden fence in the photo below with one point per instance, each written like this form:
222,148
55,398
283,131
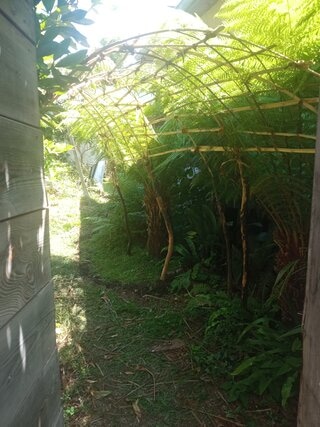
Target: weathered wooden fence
29,376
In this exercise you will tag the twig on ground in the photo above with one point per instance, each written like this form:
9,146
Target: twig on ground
212,420
175,381
132,391
142,368
188,326
219,417
101,348
197,418
253,411
154,297
132,382
96,364
222,397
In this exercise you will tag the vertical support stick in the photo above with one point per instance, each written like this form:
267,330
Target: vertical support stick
166,218
243,229
165,215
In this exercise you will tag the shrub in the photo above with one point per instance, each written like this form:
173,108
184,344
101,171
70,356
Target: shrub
272,361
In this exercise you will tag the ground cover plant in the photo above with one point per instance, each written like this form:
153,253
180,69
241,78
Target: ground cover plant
128,348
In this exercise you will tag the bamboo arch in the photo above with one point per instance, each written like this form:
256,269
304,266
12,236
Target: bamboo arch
195,84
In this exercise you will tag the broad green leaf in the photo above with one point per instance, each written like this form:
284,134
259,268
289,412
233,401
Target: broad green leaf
285,272
294,331
287,388
264,383
294,361
244,365
62,49
74,16
46,48
48,4
252,325
72,59
283,370
49,83
296,345
85,21
65,32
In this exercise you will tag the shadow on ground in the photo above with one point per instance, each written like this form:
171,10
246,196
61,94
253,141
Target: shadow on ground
125,355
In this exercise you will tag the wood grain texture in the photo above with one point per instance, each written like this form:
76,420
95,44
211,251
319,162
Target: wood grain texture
309,401
24,261
29,378
18,78
58,421
21,14
42,406
21,169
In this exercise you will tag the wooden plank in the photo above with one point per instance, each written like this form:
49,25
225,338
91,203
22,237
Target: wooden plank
20,12
18,78
59,421
21,169
42,406
309,401
24,261
29,379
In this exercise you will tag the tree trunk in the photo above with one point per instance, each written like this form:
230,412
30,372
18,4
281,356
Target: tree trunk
155,226
243,229
309,402
164,212
167,221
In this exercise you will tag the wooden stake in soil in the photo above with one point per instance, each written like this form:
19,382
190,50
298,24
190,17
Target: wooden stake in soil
243,228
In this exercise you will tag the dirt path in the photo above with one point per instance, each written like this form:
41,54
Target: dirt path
124,352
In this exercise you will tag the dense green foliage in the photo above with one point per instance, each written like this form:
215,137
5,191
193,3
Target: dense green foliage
209,138
291,26
59,58
107,236
61,62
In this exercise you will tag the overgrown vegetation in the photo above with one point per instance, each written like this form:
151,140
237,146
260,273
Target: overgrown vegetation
128,349
107,250
248,348
209,138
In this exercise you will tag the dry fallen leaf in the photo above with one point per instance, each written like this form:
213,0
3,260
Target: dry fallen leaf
106,299
169,345
98,394
137,410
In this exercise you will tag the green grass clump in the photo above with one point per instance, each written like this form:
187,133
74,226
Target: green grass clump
106,343
115,266
112,333
103,243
